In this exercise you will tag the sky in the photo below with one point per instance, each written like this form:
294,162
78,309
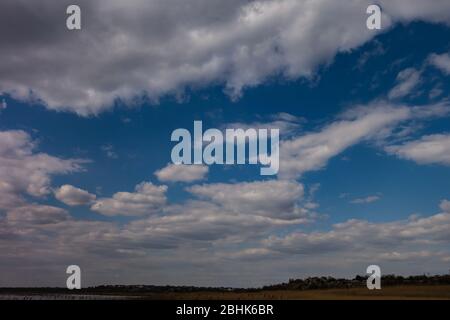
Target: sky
86,176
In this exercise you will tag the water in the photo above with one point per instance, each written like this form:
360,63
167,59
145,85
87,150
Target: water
61,297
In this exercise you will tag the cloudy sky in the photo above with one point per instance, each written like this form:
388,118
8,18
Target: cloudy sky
86,117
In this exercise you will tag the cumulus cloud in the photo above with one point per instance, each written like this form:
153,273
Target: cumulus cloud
354,235
199,233
237,43
24,170
275,198
407,80
195,232
440,61
426,150
146,199
144,50
408,10
229,221
73,196
202,222
445,205
36,214
182,173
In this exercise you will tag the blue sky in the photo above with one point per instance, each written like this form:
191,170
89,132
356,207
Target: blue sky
143,144
386,188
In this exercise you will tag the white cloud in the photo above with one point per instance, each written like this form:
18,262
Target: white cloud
407,80
445,206
288,124
183,173
435,92
313,150
237,43
36,214
440,61
377,50
354,235
149,49
274,198
205,222
147,199
73,196
376,122
108,149
199,233
410,10
406,256
426,150
195,232
23,170
10,197
368,199
3,105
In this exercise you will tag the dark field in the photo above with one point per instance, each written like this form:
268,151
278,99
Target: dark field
391,293
409,292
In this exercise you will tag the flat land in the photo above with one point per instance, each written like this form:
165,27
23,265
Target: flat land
410,292
390,293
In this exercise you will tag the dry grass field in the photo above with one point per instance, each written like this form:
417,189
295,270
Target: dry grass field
391,293
404,292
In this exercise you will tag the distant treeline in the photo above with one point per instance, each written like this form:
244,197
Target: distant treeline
359,281
293,284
